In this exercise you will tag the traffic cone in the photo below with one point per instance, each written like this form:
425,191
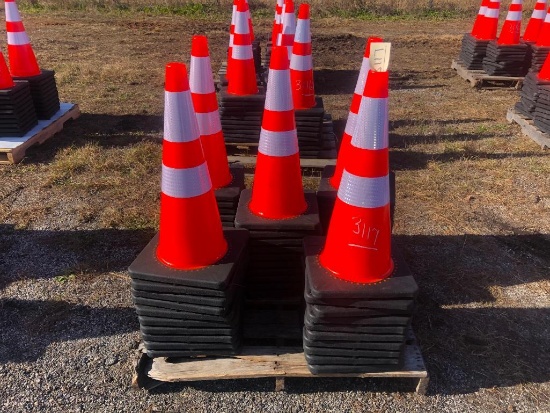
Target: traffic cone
190,234
480,19
544,73
242,78
358,243
301,63
544,34
6,81
277,22
535,23
205,104
277,192
510,33
488,31
250,26
345,145
22,59
286,37
228,68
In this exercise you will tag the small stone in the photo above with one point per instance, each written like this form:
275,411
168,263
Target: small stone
111,361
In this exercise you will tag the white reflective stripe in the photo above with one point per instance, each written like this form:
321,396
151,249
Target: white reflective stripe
289,51
18,38
278,96
180,123
185,182
351,123
547,18
231,37
514,16
209,123
241,23
482,10
371,131
364,192
12,13
538,14
241,52
289,23
201,79
492,13
279,40
278,143
303,33
363,74
302,63
517,1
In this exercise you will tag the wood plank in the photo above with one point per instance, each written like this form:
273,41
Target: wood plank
478,77
304,163
528,128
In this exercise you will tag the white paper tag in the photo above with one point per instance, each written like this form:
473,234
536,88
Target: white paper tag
380,56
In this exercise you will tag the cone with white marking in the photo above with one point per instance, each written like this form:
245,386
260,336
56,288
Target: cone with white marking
480,19
205,104
489,26
345,146
6,81
511,30
277,22
190,234
543,39
277,192
301,63
535,22
286,37
21,55
358,241
242,72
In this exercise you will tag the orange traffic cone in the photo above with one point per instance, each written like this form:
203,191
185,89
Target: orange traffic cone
286,37
250,26
22,59
6,81
277,192
229,68
488,30
242,77
205,104
510,33
345,146
478,24
277,22
301,63
535,23
544,73
358,243
190,234
543,39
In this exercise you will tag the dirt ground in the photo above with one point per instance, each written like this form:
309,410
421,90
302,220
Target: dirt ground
472,217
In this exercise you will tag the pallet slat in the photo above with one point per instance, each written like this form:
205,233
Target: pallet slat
528,128
478,78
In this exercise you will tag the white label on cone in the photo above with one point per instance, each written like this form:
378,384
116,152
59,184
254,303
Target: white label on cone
185,182
18,38
380,56
278,143
363,192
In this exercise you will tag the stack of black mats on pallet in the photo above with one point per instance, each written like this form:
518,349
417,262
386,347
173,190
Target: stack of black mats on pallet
472,52
17,110
506,60
44,93
541,115
530,94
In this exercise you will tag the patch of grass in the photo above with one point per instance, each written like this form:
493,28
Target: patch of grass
63,279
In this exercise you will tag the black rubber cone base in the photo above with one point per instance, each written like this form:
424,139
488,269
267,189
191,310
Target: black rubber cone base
357,329
44,93
175,319
351,361
361,345
386,320
156,308
353,369
191,339
159,330
341,352
17,113
318,336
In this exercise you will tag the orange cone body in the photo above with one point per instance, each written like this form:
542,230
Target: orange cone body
358,243
535,22
277,192
6,81
190,234
286,37
511,30
242,78
301,63
22,59
543,39
544,73
480,19
344,152
205,104
488,30
277,22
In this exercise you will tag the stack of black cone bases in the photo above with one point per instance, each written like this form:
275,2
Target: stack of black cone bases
17,110
309,126
506,60
195,312
44,93
472,52
241,116
227,197
537,56
351,327
529,94
541,114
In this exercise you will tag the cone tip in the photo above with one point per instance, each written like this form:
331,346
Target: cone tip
371,40
377,84
279,58
242,5
199,46
289,6
176,77
303,12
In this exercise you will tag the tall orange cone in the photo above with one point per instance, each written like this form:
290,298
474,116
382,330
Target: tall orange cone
229,67
535,23
286,37
511,30
250,25
277,192
543,39
358,243
301,63
345,145
489,28
480,19
205,104
190,234
22,59
242,78
6,81
277,22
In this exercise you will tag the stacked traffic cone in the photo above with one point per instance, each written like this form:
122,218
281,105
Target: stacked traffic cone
541,48
358,302
256,47
275,31
185,283
531,90
23,65
276,211
480,19
540,97
18,114
286,37
535,23
301,63
507,56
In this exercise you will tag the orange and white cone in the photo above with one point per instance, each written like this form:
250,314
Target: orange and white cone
229,68
205,104
478,24
242,78
6,81
535,22
190,234
511,30
544,73
286,37
22,59
489,28
345,145
301,63
277,192
277,22
250,25
358,243
543,39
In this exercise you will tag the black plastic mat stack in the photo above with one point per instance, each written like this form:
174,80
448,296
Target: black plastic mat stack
191,313
44,93
472,52
227,197
309,125
541,115
529,94
329,141
241,116
506,60
537,56
275,277
17,110
355,328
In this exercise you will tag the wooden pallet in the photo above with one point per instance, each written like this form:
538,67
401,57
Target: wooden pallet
262,362
528,128
13,149
480,78
304,163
